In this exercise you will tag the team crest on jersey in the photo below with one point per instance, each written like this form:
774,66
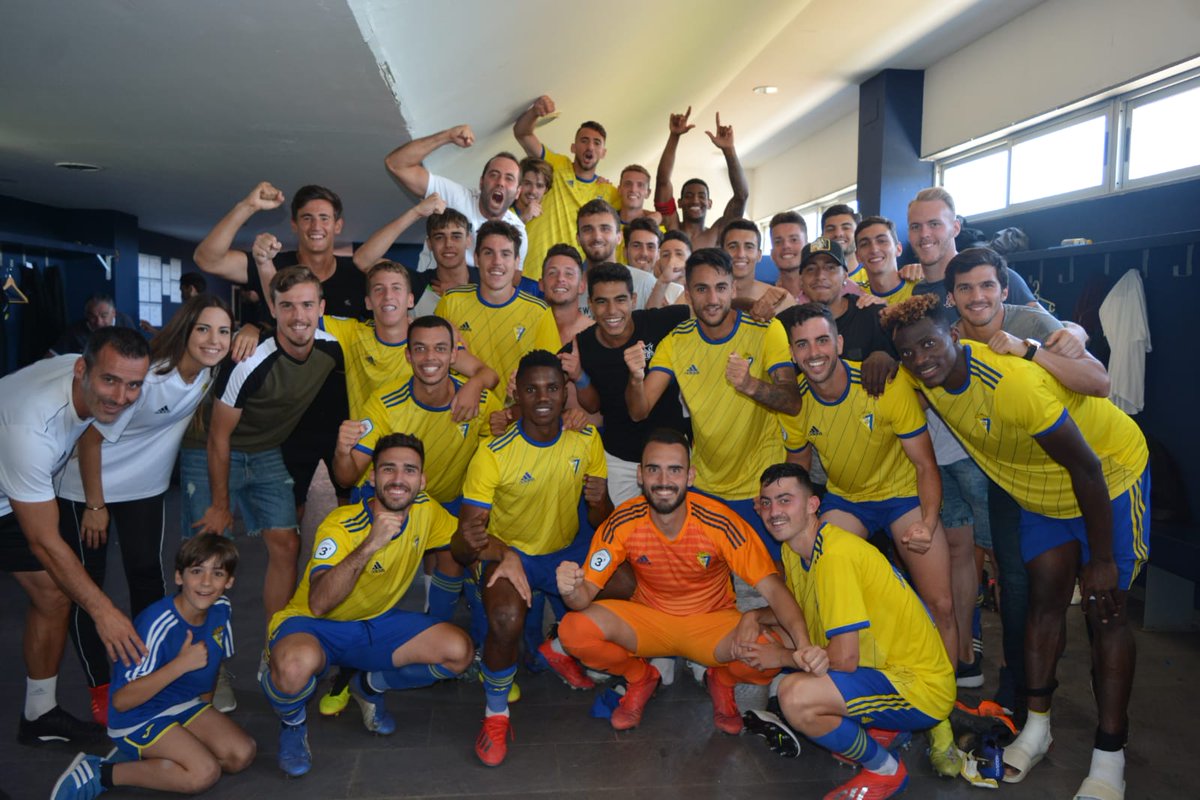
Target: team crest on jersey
416,542
463,427
749,359
704,559
600,560
869,421
692,370
325,549
575,465
367,427
377,568
986,422
519,331
526,478
219,636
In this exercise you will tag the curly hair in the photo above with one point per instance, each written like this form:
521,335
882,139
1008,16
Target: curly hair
910,312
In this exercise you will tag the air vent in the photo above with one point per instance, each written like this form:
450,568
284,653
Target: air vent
77,166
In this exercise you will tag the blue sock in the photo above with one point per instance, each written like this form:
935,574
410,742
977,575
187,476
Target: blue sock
410,676
443,595
496,685
850,739
479,624
289,707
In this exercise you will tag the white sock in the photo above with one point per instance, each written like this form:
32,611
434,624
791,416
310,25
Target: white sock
40,696
557,647
1108,766
773,689
666,669
889,767
487,712
1036,733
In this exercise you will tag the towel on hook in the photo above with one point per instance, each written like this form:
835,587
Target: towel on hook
1127,327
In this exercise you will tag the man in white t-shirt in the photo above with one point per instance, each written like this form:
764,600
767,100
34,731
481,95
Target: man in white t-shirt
499,186
43,409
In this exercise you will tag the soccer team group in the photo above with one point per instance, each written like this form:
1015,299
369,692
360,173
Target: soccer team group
626,431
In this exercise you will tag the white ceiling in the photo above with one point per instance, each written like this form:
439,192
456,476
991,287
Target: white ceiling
187,105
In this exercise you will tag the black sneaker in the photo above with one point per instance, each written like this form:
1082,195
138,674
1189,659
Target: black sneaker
780,738
970,676
57,725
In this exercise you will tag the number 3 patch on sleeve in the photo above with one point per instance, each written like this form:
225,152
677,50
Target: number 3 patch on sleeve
600,560
325,549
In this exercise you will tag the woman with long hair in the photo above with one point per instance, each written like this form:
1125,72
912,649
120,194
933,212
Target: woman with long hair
117,478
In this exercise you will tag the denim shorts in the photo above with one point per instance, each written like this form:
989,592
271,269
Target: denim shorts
259,485
964,499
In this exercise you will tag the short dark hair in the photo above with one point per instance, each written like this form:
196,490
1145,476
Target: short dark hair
690,182
97,298
306,194
677,236
598,206
742,225
194,280
432,321
126,341
563,249
494,227
591,124
198,549
794,316
875,219
777,472
445,219
668,436
384,265
912,311
502,154
541,167
839,210
788,218
537,358
398,440
289,278
609,272
643,224
708,256
971,258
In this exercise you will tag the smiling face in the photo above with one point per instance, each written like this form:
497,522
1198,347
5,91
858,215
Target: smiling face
497,261
499,186
642,250
786,506
201,585
611,304
840,228
823,278
112,385
877,251
665,475
562,281
787,242
928,351
398,478
694,202
315,225
598,235
931,231
815,349
541,395
710,293
431,352
742,247
533,187
449,246
634,188
208,343
977,295
388,297
297,312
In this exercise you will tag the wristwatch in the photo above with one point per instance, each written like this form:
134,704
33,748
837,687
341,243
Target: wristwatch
1031,347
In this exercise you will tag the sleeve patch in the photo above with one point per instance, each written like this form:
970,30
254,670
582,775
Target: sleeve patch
600,560
325,549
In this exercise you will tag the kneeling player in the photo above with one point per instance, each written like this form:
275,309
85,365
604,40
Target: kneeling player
160,715
363,561
887,666
682,546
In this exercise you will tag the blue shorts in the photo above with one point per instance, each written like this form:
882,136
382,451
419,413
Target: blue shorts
749,513
365,645
875,515
541,571
873,701
1130,535
152,730
965,499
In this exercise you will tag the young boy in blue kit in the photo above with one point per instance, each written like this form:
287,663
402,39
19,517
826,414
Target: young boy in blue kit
167,734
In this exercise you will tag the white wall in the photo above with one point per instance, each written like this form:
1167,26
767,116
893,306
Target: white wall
1055,53
824,162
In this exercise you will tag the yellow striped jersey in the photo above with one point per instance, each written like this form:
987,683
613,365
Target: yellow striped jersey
498,335
736,438
898,295
1007,403
850,586
387,575
532,489
370,362
858,437
860,277
449,445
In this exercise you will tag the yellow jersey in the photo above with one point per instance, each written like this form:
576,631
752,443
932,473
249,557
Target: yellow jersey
387,576
560,207
370,361
858,437
532,489
850,586
861,277
736,438
898,295
498,335
449,445
1007,403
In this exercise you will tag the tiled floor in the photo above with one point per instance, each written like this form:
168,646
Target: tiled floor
560,751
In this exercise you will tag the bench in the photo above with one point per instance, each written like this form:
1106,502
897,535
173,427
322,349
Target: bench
1172,575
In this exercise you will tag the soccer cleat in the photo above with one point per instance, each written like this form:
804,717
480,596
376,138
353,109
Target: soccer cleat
868,785
780,738
99,704
628,712
565,667
888,740
338,698
224,700
57,725
944,754
985,719
726,716
80,781
295,759
375,715
492,744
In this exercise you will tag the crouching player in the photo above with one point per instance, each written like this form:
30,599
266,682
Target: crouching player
888,669
343,613
682,547
160,715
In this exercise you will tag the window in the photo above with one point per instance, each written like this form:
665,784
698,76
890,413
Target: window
1162,133
811,212
978,185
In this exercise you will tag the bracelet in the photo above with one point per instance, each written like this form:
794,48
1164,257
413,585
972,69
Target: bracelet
584,381
100,507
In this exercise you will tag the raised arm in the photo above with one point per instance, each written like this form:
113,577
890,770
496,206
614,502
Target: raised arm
215,254
782,395
664,191
644,389
736,207
406,161
376,247
523,127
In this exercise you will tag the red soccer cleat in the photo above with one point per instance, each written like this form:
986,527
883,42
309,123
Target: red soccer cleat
726,716
628,712
871,786
99,704
492,744
565,667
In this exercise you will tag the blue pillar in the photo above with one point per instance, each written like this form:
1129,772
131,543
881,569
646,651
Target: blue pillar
890,170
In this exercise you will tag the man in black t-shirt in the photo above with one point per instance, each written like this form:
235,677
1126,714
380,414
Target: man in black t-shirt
602,372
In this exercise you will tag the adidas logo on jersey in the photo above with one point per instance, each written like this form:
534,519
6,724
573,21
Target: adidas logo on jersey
642,559
814,431
526,478
376,568
163,410
465,327
691,370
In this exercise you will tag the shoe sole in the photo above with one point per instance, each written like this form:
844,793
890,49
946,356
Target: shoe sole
779,738
969,682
